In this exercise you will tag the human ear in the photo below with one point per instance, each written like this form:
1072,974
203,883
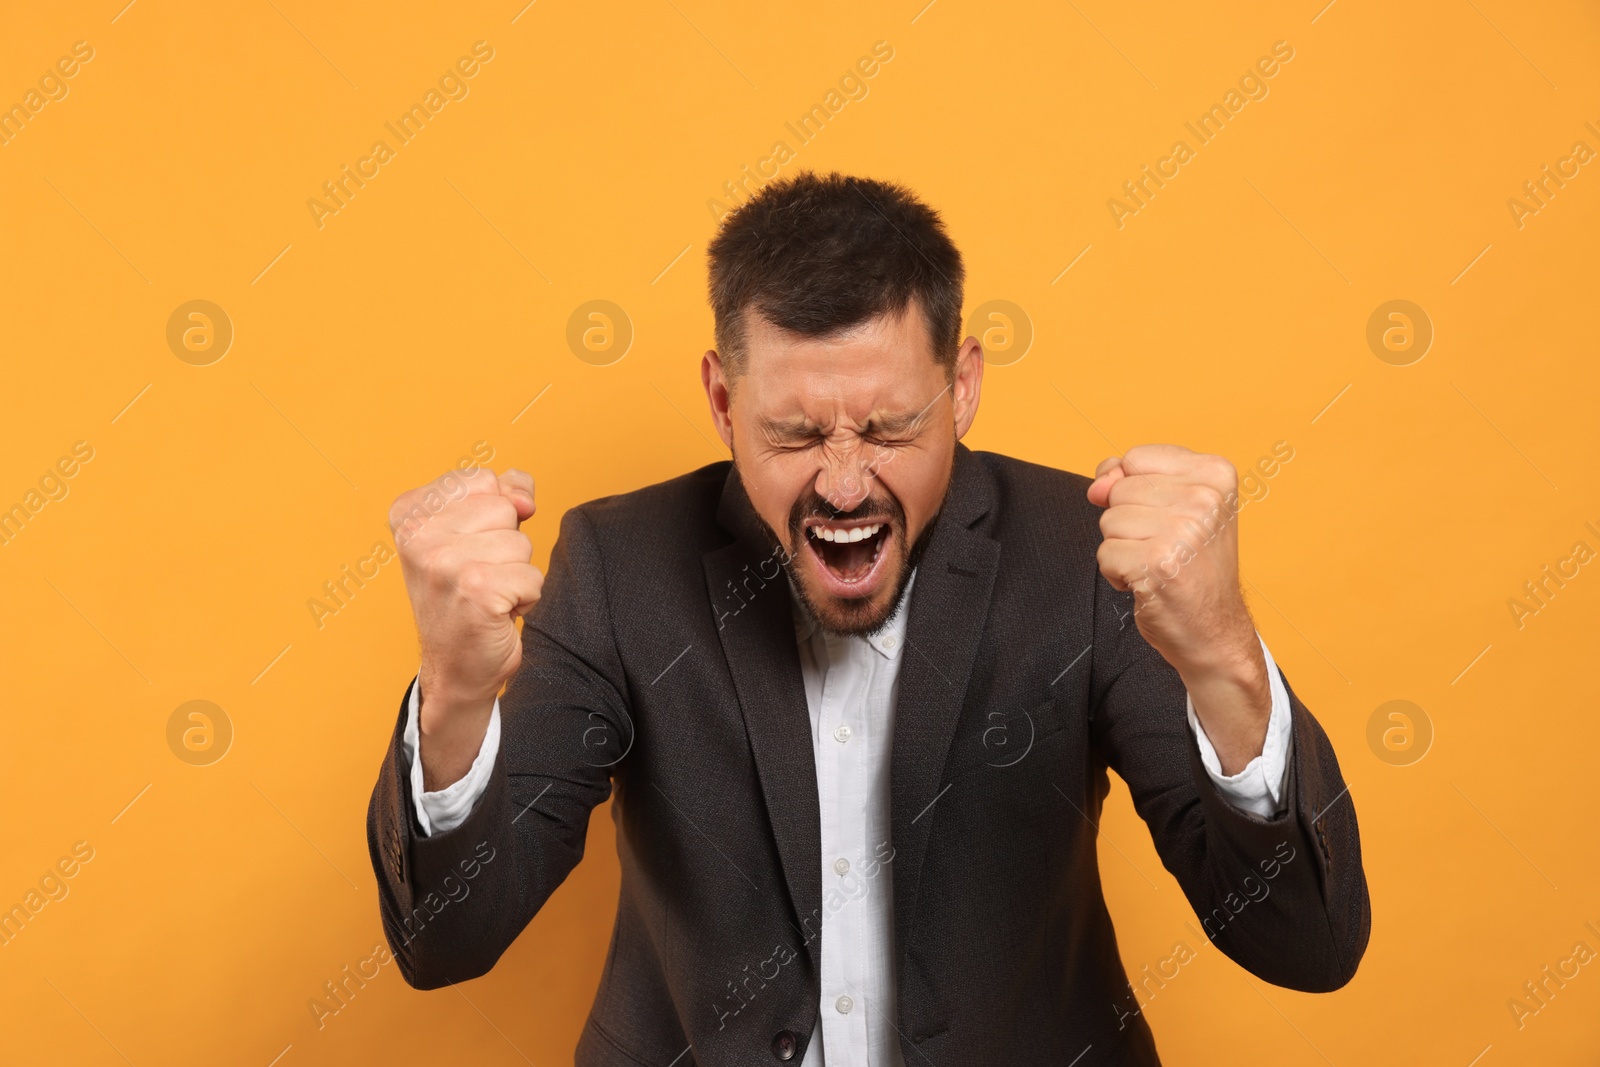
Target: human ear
967,385
718,395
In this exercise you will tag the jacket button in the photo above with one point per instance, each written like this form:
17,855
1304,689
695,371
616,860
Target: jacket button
784,1045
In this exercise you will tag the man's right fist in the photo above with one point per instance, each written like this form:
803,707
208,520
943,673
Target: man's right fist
468,576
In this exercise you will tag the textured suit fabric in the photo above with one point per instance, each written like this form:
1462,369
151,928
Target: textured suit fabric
661,664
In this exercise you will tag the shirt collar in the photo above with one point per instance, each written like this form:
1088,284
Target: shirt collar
887,642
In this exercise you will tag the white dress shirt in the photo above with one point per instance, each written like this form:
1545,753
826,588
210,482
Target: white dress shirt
851,686
851,689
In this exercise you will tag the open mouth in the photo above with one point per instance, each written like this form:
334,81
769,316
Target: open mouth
849,554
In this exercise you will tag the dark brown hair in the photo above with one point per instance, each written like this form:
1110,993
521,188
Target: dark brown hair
817,254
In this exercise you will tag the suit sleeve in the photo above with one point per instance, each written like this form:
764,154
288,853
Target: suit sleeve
1284,896
453,902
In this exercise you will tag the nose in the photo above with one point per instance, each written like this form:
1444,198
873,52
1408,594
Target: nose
843,481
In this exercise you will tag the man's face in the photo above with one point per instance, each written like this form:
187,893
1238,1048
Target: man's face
844,445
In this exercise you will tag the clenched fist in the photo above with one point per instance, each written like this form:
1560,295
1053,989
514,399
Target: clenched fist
1171,536
467,573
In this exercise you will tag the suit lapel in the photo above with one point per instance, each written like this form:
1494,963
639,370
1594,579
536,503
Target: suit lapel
948,608
750,598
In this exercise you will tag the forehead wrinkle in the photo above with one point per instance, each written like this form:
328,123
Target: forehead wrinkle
824,405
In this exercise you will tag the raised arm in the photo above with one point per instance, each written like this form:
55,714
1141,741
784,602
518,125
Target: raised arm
1284,896
453,901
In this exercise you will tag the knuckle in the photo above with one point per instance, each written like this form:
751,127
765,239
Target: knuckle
413,551
403,510
1206,497
474,582
1106,556
496,511
443,562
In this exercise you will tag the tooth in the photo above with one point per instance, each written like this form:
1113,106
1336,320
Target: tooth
873,530
858,533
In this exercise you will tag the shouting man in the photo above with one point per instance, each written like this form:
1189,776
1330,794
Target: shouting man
857,692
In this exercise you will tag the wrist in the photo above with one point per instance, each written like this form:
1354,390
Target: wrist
1232,698
451,724
1244,673
446,690
1230,655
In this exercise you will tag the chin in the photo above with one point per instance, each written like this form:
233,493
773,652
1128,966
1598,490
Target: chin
849,568
852,618
858,609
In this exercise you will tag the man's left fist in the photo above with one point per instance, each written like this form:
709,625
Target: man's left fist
1170,535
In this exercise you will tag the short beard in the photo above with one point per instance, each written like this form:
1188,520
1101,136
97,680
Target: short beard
864,621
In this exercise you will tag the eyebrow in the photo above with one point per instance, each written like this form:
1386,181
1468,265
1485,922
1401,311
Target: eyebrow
800,426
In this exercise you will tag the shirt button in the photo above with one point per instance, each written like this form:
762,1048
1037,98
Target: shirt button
844,1004
842,733
890,641
841,865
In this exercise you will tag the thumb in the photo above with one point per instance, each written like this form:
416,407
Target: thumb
1108,473
517,486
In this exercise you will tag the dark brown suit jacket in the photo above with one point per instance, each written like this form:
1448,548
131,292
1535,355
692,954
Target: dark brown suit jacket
662,664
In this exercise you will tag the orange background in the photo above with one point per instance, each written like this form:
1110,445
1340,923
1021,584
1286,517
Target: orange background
370,354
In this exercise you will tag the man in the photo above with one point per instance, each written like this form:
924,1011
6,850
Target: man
857,693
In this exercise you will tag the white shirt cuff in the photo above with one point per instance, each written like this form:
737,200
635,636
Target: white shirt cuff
1258,788
445,809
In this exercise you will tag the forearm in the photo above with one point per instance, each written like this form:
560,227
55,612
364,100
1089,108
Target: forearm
463,903
452,726
451,902
1286,897
1232,697
1260,786
442,810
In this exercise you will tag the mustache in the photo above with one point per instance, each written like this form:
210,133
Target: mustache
811,504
